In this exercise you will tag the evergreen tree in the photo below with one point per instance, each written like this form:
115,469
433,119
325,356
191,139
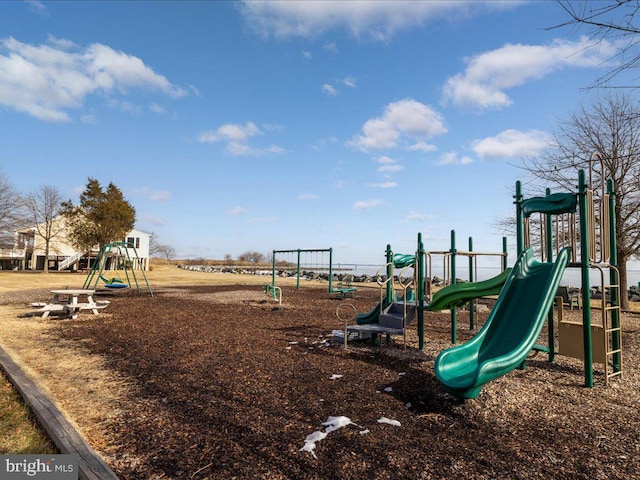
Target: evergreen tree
103,216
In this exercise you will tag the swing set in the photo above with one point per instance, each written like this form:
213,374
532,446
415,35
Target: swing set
341,289
116,256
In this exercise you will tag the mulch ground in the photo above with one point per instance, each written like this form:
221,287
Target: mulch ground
228,387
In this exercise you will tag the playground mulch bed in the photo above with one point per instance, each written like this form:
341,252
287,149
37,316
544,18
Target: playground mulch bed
224,385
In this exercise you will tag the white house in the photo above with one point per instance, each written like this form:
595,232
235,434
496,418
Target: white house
141,241
28,252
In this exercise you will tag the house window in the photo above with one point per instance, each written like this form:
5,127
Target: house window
131,240
135,241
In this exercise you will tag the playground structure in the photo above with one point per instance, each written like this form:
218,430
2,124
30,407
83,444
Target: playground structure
403,298
394,312
468,292
525,302
342,289
116,256
274,292
577,231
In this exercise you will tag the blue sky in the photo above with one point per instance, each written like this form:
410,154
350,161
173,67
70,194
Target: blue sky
280,125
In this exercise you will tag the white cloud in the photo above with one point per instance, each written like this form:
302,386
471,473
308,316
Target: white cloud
452,158
512,144
244,150
306,54
238,211
421,147
124,106
387,184
331,47
236,138
238,133
156,108
46,80
488,75
388,164
37,6
329,89
372,20
308,196
61,43
402,121
88,119
384,159
349,81
390,168
367,204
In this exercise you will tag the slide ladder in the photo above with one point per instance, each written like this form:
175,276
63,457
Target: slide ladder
612,337
606,339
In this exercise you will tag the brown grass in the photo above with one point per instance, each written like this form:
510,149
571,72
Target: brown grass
159,276
19,433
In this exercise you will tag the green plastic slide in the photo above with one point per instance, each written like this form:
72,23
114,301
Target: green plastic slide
401,260
461,293
369,317
509,333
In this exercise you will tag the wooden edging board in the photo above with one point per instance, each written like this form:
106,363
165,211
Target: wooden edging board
90,466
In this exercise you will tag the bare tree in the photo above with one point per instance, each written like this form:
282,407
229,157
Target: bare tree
154,244
613,20
158,249
44,206
166,251
12,215
610,126
251,256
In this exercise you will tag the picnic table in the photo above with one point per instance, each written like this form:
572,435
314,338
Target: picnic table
70,302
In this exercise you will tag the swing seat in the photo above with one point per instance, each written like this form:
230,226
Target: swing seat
114,282
344,289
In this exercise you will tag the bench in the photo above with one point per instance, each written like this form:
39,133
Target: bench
74,308
46,309
68,309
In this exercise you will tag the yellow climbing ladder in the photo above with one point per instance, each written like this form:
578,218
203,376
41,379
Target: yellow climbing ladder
612,335
606,340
